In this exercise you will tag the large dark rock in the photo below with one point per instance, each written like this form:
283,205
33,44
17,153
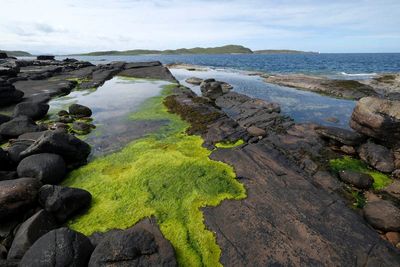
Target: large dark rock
16,149
63,202
383,215
340,135
79,110
17,195
9,68
4,118
80,127
31,230
5,161
48,168
211,89
3,55
147,70
18,126
32,110
45,57
8,94
60,247
142,245
377,156
73,150
378,118
359,180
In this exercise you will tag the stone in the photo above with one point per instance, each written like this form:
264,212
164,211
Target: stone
63,202
392,191
77,110
211,89
377,118
47,168
8,94
45,57
33,110
343,136
3,55
29,231
73,150
5,161
393,237
17,196
63,113
359,180
4,118
396,174
255,131
60,247
16,149
18,126
383,215
82,128
194,80
141,245
348,150
377,156
65,119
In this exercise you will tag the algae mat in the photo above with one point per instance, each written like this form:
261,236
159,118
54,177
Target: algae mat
167,174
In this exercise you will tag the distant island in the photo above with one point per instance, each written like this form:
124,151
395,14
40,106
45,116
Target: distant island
227,49
16,53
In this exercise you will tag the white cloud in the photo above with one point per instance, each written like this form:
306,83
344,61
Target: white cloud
77,26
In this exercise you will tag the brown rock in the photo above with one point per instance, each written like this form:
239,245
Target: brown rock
255,131
393,237
377,156
348,150
382,215
359,180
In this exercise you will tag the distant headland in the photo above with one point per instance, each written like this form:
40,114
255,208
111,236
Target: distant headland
227,49
16,53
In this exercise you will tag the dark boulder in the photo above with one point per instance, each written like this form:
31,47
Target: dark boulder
382,215
142,245
73,150
3,55
8,175
45,57
9,68
194,80
378,118
211,89
4,118
8,94
5,161
16,149
48,168
359,180
32,110
29,231
17,195
81,127
18,126
377,156
63,202
342,136
60,247
31,136
77,110
63,113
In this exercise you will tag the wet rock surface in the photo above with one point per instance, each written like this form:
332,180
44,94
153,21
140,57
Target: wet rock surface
383,215
359,180
32,110
379,157
18,126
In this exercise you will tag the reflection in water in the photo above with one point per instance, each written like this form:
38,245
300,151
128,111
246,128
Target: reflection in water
300,105
111,104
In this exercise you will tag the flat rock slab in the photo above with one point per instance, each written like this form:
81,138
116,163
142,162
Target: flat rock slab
149,72
50,87
287,221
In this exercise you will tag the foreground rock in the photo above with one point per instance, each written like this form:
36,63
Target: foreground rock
377,118
377,156
383,215
387,85
359,180
79,111
338,88
31,230
73,150
63,202
8,93
17,196
341,136
18,126
61,247
33,110
141,245
47,168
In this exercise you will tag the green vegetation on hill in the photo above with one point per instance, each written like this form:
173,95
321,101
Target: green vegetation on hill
228,49
168,175
284,51
16,53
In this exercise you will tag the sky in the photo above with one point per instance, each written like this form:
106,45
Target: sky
73,26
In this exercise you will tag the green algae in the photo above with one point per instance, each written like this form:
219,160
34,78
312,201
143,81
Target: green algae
167,174
229,144
381,180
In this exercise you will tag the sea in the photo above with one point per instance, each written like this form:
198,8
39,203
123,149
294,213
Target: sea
300,105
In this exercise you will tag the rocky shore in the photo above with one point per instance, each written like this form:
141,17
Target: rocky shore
315,195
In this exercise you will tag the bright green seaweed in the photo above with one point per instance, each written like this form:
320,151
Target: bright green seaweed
167,175
348,163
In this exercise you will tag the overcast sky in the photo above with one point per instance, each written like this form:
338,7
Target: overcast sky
69,26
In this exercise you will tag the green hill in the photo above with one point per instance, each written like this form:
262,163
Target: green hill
283,51
227,49
16,53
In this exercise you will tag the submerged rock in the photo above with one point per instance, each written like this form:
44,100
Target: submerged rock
81,127
46,167
17,195
63,202
382,215
73,150
377,156
32,110
45,57
194,80
77,110
359,180
60,247
32,229
378,118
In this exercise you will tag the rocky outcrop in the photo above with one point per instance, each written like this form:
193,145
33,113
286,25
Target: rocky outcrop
61,247
18,126
359,180
152,70
63,202
17,196
8,93
45,57
383,215
377,156
377,118
348,89
340,135
33,110
141,245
